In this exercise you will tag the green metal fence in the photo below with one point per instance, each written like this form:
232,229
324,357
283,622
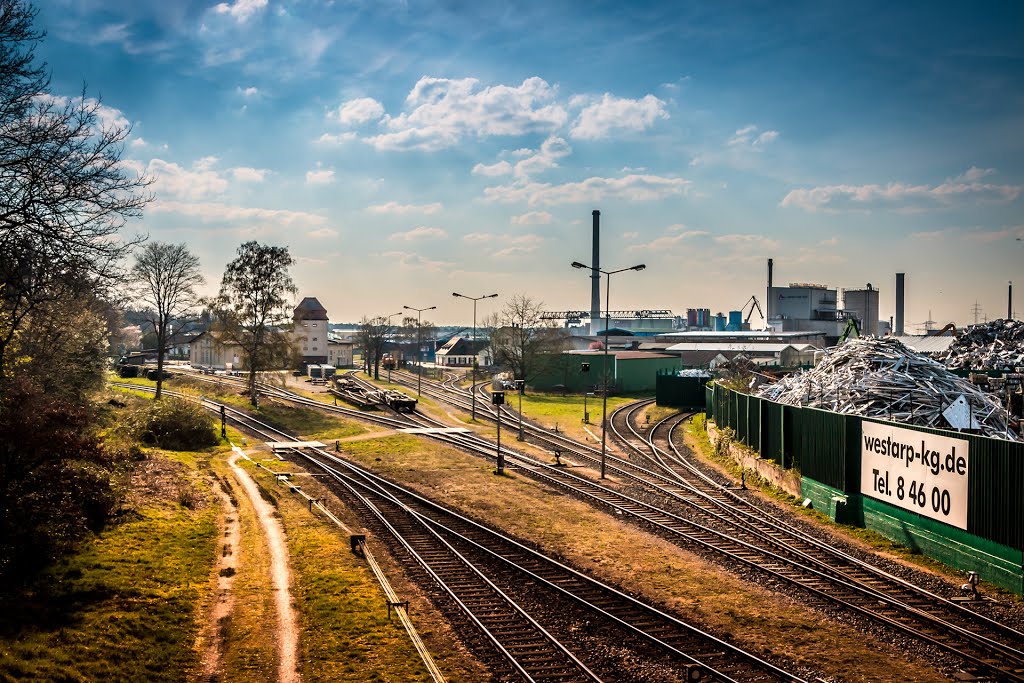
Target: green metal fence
825,447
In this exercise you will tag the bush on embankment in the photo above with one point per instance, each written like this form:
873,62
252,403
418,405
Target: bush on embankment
173,424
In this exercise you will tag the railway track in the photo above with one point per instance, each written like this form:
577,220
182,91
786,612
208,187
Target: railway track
479,569
721,521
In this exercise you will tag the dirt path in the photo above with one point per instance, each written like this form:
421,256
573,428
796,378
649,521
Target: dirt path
287,620
220,614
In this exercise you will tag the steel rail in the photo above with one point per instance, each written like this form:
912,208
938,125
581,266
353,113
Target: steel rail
525,645
941,629
567,581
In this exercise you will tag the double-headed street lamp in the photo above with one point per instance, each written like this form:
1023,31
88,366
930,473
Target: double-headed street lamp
472,387
607,324
419,351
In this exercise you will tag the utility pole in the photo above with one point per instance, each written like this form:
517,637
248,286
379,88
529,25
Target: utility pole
419,354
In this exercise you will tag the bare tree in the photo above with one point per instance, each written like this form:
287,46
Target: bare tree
166,275
522,341
65,193
373,335
252,306
417,332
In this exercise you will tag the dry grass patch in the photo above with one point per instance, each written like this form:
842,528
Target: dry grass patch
620,553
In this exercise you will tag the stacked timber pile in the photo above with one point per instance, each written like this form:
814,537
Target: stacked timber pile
882,378
995,345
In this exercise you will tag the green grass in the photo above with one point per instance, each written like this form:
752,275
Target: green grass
309,422
551,408
123,608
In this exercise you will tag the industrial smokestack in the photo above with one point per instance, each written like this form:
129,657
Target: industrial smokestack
595,277
1009,302
768,299
899,304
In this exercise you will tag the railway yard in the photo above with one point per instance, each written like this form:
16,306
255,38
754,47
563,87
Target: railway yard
665,570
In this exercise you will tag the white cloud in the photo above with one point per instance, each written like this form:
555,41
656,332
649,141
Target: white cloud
244,174
241,10
329,139
532,218
205,163
632,235
929,235
321,176
413,261
1015,232
199,182
107,117
208,212
902,197
748,136
358,111
418,233
322,233
248,92
546,157
404,209
496,169
610,113
444,111
631,187
138,142
509,245
740,241
667,242
530,161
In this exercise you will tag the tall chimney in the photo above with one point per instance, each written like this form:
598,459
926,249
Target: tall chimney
595,277
899,304
768,299
1009,302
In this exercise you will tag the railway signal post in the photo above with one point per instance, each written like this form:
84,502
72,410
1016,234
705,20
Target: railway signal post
498,399
585,369
520,387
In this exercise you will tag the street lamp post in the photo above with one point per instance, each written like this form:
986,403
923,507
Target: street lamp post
607,325
419,354
472,384
392,364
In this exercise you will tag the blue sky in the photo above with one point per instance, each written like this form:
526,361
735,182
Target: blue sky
405,150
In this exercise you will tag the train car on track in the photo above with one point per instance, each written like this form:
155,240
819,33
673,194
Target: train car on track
399,402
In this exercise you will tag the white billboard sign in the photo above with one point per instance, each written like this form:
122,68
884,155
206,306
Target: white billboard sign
921,472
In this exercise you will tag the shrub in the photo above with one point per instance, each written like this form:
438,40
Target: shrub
56,483
174,424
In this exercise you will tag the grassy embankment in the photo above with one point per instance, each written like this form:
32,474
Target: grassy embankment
125,606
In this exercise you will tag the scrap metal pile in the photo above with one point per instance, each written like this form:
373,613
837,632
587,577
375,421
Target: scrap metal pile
882,378
995,345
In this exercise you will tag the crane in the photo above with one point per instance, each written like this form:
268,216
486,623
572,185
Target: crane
753,300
